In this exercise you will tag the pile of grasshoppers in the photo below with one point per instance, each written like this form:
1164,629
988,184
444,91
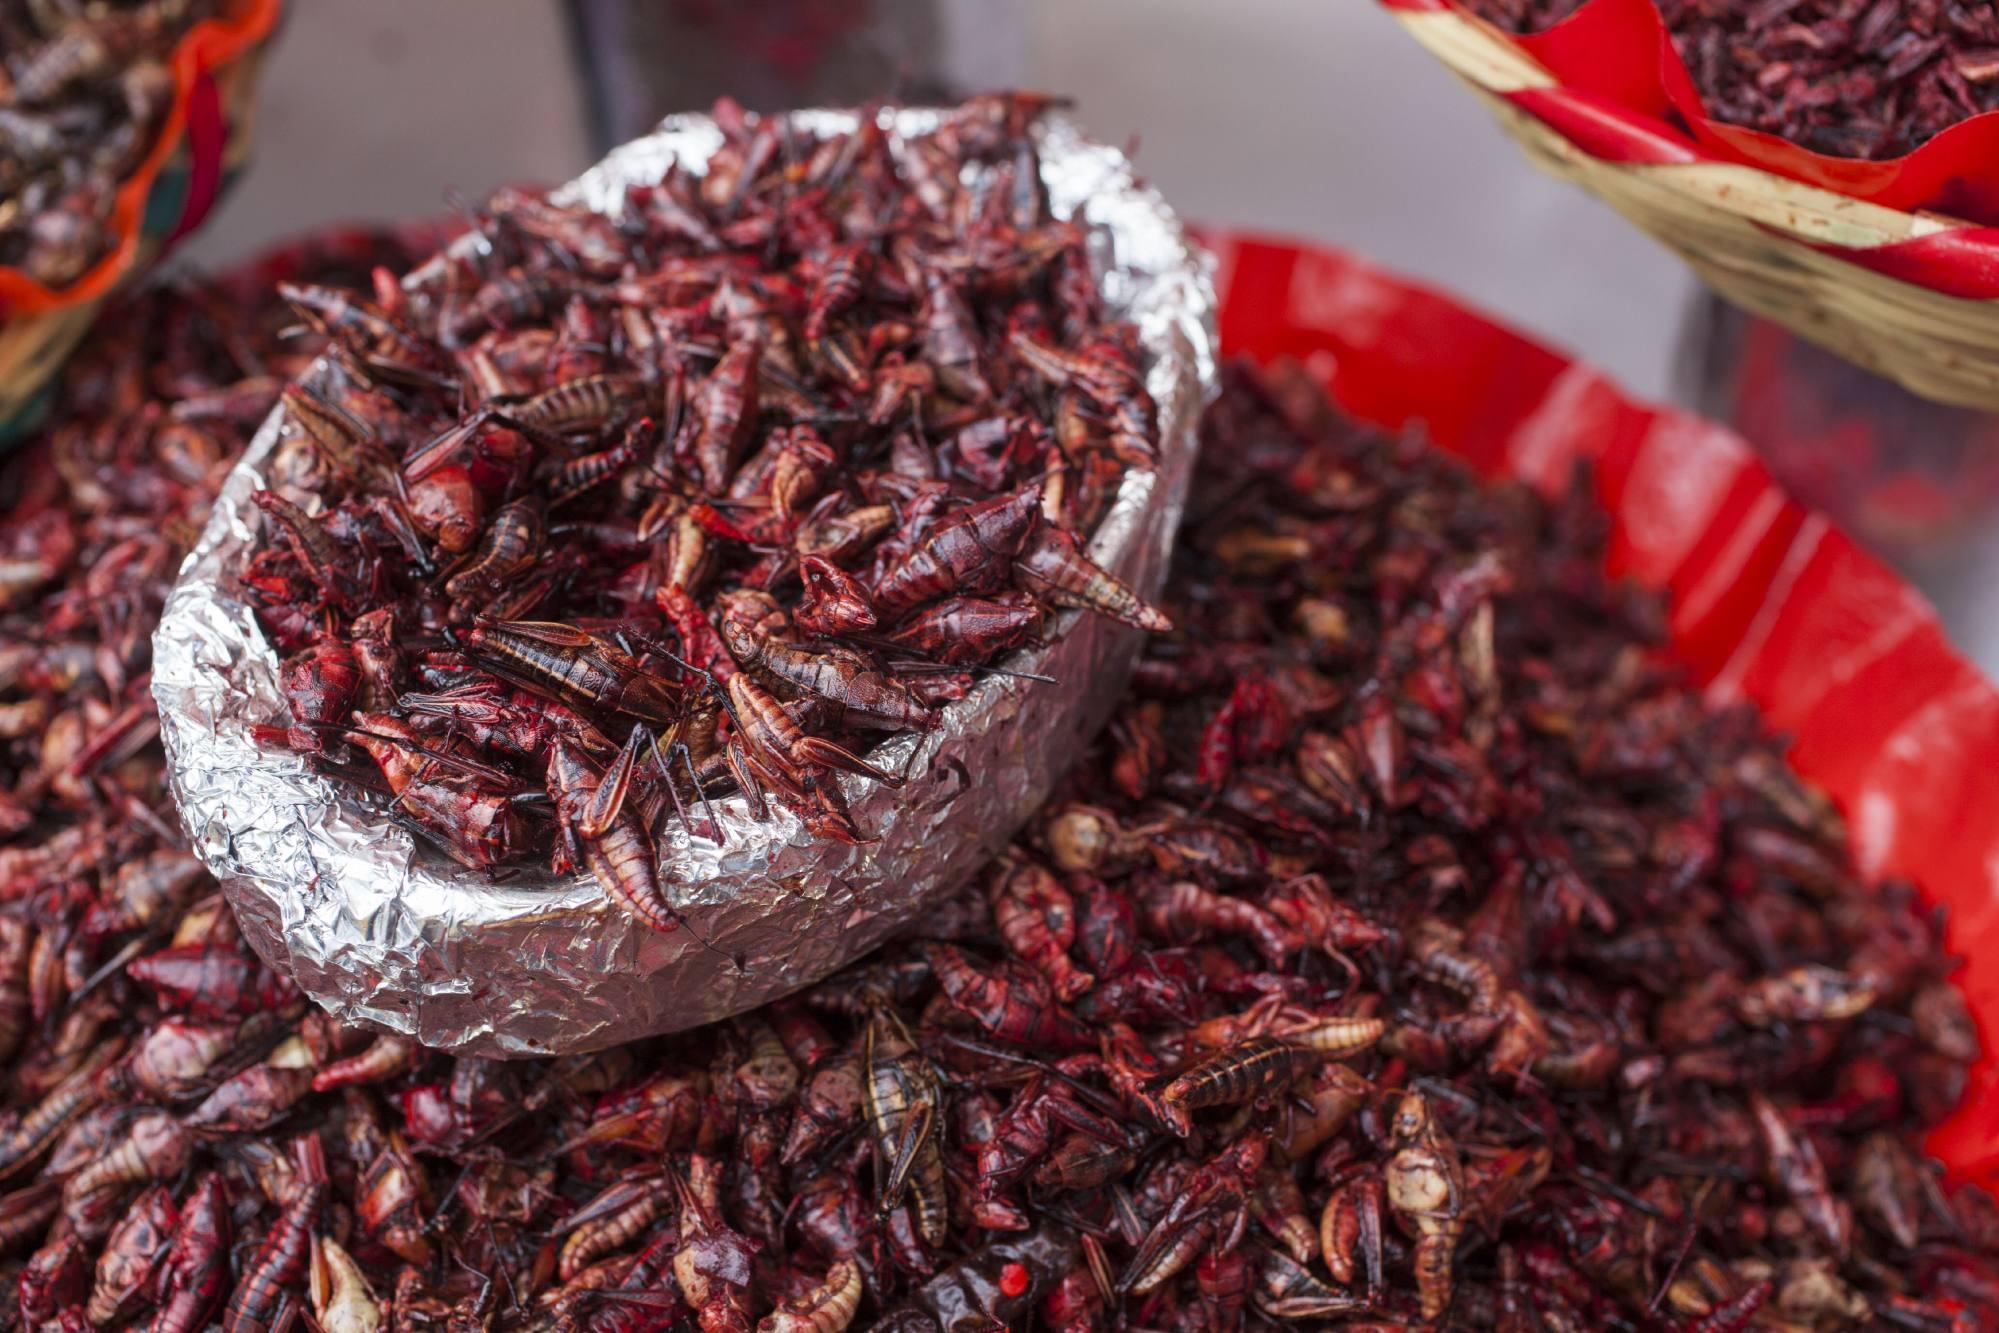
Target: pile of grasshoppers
1416,951
606,516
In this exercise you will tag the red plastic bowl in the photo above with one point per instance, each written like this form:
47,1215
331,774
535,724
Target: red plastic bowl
1770,602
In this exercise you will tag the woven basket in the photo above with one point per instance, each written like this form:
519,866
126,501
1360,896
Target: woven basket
202,143
1780,248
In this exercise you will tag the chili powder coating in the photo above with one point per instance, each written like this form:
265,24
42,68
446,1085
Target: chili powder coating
613,517
1416,949
1850,78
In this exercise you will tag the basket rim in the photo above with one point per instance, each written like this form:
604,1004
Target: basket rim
1924,248
208,46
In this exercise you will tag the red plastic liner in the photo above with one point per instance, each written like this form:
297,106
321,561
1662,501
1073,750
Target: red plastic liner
1620,51
1770,602
1624,95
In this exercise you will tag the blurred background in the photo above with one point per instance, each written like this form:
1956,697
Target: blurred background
1320,120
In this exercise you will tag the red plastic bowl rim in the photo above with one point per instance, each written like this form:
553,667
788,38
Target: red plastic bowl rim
1769,601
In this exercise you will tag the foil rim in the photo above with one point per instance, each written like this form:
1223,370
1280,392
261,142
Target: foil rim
378,929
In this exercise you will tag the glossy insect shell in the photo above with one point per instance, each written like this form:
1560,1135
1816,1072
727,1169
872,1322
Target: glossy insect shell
369,927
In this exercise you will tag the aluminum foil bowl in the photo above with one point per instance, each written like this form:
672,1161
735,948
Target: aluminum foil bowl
379,928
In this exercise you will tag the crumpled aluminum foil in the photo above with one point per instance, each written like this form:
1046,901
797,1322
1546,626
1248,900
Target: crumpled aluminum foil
381,929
